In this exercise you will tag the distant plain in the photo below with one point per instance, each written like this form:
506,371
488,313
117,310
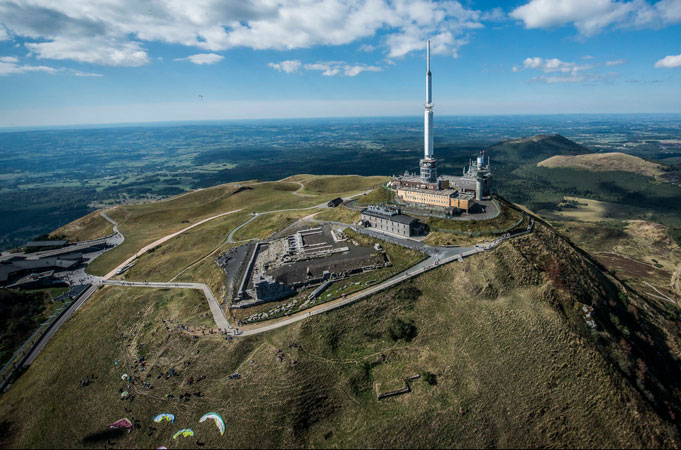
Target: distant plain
51,177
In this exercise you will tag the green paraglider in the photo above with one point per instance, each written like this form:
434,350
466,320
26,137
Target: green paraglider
218,421
165,416
184,433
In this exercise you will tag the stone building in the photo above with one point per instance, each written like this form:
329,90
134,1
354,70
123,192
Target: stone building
390,220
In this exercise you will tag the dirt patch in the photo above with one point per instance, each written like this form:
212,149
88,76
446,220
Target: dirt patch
630,268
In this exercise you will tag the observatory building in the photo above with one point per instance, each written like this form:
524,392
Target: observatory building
449,194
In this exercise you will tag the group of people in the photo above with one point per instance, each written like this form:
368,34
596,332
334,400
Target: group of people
88,379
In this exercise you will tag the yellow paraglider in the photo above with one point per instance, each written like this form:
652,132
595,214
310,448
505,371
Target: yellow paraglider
184,433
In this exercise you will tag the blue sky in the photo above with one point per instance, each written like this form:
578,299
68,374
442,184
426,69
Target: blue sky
97,61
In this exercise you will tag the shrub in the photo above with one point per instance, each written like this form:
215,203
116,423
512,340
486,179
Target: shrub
430,378
402,329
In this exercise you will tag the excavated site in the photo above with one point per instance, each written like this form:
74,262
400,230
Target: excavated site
276,269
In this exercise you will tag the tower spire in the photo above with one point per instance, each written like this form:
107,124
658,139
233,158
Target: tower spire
428,113
428,164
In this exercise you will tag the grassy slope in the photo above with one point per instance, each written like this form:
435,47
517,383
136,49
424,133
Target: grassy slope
332,184
512,368
340,214
173,256
142,224
605,162
638,251
588,210
534,149
89,227
267,224
378,195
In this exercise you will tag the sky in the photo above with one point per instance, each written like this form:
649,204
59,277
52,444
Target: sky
120,61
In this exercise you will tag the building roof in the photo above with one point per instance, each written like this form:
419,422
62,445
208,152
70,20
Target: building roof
399,218
7,268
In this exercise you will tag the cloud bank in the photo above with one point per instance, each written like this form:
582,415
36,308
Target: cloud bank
590,17
115,33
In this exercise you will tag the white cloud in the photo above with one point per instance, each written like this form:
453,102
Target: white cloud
616,62
590,17
289,66
3,34
669,62
551,65
202,58
110,32
98,50
332,68
564,72
78,73
10,65
494,15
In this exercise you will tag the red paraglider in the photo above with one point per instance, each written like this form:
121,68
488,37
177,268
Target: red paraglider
123,423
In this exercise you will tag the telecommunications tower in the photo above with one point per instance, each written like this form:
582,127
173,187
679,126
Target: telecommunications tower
428,163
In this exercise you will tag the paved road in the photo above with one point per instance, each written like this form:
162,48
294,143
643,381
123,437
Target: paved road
218,316
44,339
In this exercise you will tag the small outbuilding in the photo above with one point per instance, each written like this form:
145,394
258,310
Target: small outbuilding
335,202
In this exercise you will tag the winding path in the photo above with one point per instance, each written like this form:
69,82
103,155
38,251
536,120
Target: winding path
158,242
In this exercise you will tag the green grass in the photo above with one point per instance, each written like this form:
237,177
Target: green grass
173,256
378,195
53,292
340,214
511,371
333,184
267,224
92,226
142,224
208,272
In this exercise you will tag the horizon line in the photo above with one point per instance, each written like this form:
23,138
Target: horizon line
167,123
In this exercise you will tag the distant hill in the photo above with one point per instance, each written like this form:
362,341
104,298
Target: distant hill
605,162
535,148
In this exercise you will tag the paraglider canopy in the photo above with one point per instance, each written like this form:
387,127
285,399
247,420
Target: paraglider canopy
218,421
184,433
124,376
122,423
164,416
